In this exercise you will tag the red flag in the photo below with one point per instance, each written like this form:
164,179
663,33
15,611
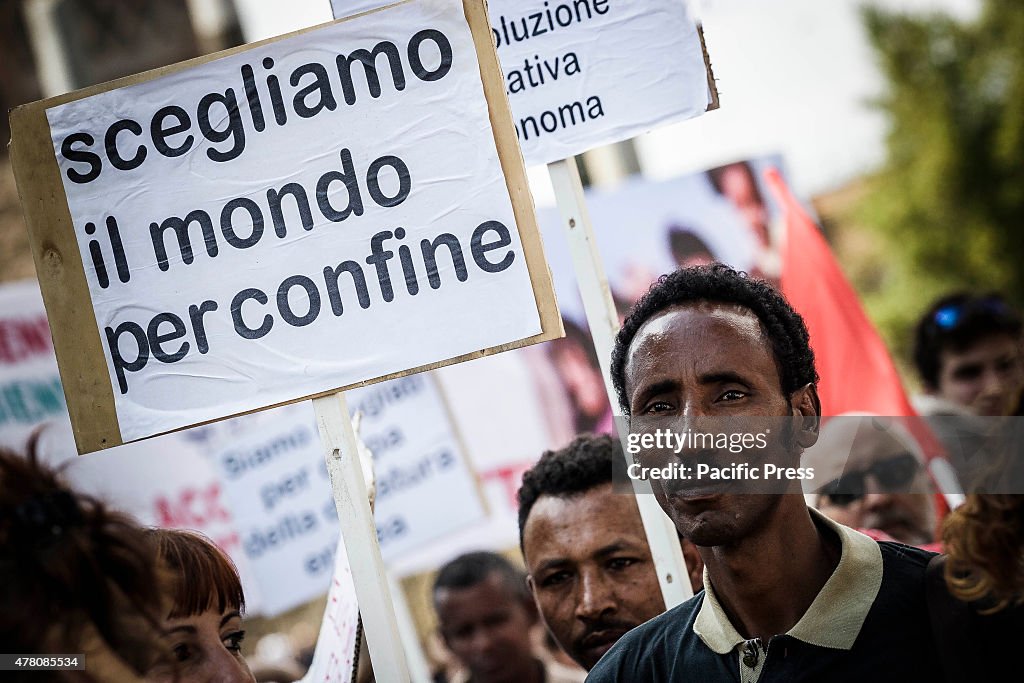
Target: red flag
857,373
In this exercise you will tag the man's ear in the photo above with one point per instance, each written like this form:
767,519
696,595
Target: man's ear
806,405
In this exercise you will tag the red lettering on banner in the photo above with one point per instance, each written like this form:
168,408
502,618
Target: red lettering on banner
229,543
334,671
510,477
193,508
21,339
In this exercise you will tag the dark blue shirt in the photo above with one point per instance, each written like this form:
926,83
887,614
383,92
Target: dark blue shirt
844,636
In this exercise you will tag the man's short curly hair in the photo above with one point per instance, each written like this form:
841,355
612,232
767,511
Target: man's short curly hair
584,464
719,283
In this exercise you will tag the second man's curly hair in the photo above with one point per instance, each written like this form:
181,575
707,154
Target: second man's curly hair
584,464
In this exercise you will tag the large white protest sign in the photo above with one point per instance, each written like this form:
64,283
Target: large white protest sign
30,390
585,73
299,216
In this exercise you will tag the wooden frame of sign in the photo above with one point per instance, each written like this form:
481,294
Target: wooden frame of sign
76,338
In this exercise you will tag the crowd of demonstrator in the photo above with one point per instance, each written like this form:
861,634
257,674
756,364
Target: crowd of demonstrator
853,586
878,577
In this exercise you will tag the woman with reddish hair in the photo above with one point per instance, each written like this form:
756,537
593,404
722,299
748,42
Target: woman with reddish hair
978,609
984,539
204,606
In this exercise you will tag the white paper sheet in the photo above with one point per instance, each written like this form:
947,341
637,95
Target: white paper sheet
233,311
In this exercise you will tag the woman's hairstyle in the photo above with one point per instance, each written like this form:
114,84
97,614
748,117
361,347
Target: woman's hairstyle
201,577
984,539
73,571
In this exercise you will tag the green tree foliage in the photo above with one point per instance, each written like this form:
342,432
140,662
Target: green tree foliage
949,201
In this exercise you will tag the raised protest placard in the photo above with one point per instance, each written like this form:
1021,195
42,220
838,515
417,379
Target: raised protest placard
30,391
274,482
272,472
584,73
283,220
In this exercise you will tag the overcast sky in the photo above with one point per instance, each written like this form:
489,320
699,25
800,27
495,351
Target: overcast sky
794,77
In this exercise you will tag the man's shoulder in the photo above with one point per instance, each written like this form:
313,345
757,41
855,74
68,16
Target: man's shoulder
899,612
904,562
674,622
911,553
644,649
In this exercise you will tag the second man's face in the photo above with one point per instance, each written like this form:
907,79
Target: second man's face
590,570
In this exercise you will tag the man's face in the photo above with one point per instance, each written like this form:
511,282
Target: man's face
487,628
885,484
697,361
590,570
986,378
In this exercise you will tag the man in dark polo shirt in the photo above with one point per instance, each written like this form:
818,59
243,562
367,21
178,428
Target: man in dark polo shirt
788,595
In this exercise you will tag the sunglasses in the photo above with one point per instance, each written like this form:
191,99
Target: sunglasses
948,317
892,475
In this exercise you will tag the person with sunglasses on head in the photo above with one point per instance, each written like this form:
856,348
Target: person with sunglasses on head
870,475
967,351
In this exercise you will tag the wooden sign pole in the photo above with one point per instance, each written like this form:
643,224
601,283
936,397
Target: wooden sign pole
359,534
604,324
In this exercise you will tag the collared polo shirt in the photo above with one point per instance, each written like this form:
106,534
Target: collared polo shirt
869,624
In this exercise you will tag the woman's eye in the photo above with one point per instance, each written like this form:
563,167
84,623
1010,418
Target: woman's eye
182,652
233,641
